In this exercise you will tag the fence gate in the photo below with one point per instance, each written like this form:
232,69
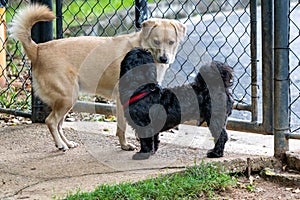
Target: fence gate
259,39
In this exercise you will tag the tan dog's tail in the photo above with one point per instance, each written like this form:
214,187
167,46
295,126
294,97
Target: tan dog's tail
23,22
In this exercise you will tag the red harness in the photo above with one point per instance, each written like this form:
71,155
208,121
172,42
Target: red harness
134,98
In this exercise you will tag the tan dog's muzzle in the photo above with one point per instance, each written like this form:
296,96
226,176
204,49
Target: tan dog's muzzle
163,59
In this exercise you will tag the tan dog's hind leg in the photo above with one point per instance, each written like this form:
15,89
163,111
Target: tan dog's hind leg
54,122
121,128
69,143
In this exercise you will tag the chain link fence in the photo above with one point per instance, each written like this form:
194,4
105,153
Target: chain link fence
294,63
217,29
15,91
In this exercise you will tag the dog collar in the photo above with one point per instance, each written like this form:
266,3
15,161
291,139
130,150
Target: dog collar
134,98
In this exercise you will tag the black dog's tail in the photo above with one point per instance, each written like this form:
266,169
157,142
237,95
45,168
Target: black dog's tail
212,72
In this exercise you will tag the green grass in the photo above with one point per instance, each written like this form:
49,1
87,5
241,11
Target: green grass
83,9
91,10
197,182
77,13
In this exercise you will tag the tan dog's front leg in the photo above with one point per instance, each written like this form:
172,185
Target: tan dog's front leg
121,128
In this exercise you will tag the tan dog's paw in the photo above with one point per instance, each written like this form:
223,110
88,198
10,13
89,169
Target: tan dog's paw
62,146
72,144
128,147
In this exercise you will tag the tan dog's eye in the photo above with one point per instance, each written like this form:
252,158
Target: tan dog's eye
156,42
171,42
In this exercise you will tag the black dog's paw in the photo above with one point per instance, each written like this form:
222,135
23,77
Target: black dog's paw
213,154
141,156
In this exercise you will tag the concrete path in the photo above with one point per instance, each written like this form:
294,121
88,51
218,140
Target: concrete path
32,168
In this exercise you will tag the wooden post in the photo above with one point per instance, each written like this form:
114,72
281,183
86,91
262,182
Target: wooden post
2,46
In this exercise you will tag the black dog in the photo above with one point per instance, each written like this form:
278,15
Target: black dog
150,109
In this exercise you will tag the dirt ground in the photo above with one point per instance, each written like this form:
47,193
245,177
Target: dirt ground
32,168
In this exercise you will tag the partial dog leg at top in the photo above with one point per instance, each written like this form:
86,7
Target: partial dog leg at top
121,128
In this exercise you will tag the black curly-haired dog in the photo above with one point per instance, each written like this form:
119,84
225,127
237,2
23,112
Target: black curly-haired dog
150,109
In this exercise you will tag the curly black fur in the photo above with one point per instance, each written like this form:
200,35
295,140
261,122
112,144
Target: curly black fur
160,109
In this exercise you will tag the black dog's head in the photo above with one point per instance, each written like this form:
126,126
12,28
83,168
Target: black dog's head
221,74
137,57
137,70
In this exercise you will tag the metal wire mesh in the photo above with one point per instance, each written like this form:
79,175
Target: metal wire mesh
15,95
294,63
99,18
218,30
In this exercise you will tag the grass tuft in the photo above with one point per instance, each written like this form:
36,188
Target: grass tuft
196,182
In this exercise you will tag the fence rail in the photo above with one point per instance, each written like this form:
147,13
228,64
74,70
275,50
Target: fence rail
228,31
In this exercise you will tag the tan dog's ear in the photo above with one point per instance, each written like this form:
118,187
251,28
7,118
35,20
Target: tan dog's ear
180,29
147,27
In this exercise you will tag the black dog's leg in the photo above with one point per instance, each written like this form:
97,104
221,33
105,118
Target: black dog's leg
146,149
146,145
218,150
156,142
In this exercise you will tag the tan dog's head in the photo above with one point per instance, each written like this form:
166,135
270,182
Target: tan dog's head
161,37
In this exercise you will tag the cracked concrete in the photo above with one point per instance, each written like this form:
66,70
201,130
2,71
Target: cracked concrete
32,168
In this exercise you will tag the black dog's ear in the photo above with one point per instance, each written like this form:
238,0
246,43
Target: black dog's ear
214,71
137,69
226,72
124,67
135,58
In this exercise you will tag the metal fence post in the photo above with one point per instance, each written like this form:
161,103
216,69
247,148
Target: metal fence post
59,17
41,32
281,77
141,12
253,41
267,34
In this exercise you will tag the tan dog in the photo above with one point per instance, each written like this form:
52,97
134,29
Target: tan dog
61,68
